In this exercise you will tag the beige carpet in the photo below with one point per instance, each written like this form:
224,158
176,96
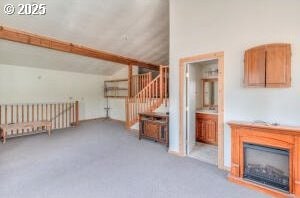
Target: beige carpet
101,159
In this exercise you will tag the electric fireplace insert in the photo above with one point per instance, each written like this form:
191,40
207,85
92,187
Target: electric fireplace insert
267,165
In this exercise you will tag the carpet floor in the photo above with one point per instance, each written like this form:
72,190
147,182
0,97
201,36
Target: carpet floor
101,159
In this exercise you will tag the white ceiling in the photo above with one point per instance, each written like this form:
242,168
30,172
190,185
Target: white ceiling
12,53
133,28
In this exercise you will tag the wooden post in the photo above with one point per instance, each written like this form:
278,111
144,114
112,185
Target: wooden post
129,80
22,117
161,83
150,77
166,79
126,109
17,119
77,113
12,114
5,114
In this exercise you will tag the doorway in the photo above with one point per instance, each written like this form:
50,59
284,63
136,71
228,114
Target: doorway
201,107
202,111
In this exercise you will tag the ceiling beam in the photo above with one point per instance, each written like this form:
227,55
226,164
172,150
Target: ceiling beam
54,44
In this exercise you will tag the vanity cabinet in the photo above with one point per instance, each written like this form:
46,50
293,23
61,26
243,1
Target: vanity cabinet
207,128
268,66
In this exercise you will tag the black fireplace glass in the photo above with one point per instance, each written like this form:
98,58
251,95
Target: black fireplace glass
267,165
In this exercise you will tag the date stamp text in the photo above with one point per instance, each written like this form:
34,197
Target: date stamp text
25,9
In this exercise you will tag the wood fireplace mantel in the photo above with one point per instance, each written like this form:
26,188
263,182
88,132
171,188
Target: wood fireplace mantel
283,137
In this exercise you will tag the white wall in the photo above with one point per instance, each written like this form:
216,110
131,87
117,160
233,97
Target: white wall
232,26
31,85
117,105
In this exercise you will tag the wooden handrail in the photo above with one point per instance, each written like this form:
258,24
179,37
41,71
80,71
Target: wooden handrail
139,82
62,115
144,91
149,98
165,80
135,84
72,106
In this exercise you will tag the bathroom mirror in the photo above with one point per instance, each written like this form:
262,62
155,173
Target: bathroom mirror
210,92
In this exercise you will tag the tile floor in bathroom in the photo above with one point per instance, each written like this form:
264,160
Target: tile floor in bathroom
205,152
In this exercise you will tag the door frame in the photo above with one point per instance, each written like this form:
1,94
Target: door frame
182,101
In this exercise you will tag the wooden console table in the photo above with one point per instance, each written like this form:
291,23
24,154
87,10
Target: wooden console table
154,126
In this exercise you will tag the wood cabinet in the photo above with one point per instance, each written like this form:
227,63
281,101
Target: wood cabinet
255,67
154,126
207,128
268,66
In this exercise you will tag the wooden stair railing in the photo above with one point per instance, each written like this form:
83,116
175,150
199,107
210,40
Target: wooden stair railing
70,108
154,94
164,72
139,82
62,115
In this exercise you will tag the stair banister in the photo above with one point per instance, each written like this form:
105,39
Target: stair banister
154,93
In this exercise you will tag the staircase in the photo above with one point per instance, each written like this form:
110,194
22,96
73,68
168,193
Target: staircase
139,82
150,97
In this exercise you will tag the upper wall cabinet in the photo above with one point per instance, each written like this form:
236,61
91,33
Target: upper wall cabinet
268,66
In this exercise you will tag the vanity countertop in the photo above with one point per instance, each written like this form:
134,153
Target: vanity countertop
211,112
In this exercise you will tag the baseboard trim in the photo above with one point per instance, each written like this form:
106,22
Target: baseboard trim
91,119
122,121
101,118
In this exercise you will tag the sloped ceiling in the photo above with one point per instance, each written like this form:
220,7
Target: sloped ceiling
12,53
133,28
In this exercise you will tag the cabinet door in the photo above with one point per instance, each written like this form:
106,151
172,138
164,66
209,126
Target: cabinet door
151,130
197,129
211,134
163,134
278,65
255,69
200,132
207,129
203,130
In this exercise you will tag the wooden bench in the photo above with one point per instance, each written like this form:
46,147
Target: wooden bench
25,126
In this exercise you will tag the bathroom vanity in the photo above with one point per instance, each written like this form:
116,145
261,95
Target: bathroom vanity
207,114
207,127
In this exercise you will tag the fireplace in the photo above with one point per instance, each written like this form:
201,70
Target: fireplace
266,158
267,165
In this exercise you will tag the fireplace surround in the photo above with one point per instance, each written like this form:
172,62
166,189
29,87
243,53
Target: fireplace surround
266,158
